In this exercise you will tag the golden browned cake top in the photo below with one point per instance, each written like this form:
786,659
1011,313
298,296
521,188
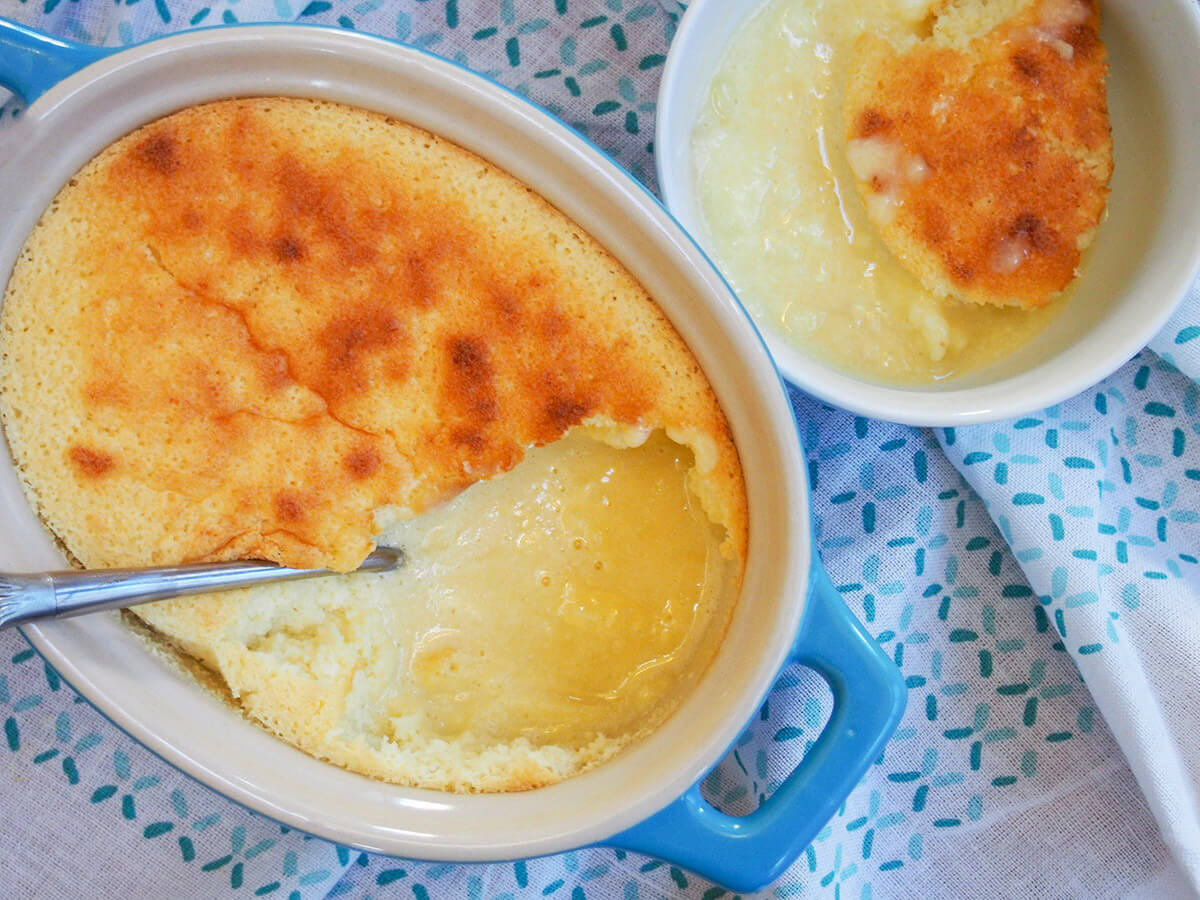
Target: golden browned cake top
984,163
244,327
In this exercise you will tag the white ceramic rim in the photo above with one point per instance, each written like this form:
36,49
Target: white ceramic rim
1101,352
195,732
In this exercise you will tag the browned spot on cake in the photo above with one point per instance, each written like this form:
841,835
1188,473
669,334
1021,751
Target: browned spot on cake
191,219
470,384
1084,39
160,153
368,329
1022,145
1030,227
962,272
873,122
469,438
91,462
563,412
353,352
362,463
288,506
935,224
469,356
288,249
316,201
1027,64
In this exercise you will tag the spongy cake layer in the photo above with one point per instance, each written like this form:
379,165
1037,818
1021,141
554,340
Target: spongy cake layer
984,152
244,329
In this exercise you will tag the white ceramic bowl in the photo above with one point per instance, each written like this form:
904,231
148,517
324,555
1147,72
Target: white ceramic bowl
1144,257
75,119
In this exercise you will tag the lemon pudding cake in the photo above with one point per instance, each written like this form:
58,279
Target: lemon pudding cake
286,329
906,188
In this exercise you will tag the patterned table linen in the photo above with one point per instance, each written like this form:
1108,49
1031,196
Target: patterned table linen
995,564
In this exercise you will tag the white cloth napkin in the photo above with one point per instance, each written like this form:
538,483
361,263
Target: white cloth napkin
1099,499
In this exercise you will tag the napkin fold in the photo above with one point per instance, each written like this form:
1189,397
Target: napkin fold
1099,499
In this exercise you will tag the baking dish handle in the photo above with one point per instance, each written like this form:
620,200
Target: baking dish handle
747,853
32,62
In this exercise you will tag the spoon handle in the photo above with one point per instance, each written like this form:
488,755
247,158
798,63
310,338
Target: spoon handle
24,598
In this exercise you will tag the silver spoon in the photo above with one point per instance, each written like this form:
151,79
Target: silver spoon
46,595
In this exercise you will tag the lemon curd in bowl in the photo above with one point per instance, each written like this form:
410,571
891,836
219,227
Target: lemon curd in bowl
798,193
362,333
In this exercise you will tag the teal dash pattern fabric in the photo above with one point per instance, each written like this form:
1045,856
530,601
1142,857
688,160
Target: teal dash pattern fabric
1037,582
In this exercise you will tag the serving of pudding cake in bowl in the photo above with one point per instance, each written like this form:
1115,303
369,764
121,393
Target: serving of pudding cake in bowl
939,211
